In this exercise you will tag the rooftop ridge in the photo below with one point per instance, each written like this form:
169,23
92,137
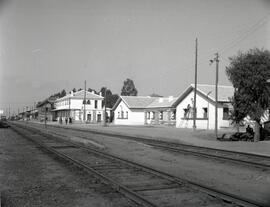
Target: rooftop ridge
202,84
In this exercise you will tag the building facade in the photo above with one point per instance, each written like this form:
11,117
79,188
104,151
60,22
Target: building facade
75,107
205,107
45,109
144,110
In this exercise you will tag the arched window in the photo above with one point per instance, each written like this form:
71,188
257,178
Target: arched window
88,102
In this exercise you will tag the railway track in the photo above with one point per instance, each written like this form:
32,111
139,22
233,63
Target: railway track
143,185
247,159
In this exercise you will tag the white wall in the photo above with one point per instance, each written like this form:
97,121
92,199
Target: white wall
78,104
135,117
201,123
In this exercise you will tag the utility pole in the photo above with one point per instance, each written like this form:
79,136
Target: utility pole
216,59
105,102
195,89
9,111
84,102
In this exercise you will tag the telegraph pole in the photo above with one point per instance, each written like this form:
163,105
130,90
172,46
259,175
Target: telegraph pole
105,102
84,102
195,89
216,59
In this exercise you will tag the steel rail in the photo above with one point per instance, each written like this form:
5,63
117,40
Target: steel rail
211,156
163,145
143,138
115,185
209,190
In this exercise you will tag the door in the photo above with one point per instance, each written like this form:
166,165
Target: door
99,118
88,117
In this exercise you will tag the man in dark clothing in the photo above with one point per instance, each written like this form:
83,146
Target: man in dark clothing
249,130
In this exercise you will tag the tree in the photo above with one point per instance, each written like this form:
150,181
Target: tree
90,90
249,73
110,98
74,90
63,93
128,88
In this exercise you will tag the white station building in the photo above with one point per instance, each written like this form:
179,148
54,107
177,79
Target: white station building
205,107
144,110
72,105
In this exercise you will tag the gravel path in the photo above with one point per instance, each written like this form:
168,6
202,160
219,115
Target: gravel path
29,177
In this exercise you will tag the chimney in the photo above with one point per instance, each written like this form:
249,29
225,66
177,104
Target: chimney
160,100
71,93
100,93
93,92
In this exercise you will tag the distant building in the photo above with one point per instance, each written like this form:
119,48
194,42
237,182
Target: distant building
205,107
143,110
45,109
72,105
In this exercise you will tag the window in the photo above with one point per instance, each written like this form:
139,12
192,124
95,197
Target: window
122,114
84,102
173,115
205,113
96,104
148,115
161,115
225,113
88,102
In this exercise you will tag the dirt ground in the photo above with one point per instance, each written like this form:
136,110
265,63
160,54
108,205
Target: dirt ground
29,177
245,181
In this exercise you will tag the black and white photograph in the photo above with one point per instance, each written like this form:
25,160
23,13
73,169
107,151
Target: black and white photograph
134,103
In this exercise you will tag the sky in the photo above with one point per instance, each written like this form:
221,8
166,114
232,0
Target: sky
50,45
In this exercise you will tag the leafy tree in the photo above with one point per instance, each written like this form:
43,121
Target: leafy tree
79,89
63,93
128,88
90,90
113,99
74,90
110,98
249,73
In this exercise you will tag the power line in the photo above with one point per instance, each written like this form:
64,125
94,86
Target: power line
261,22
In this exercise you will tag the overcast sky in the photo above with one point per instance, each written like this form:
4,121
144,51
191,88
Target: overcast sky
50,45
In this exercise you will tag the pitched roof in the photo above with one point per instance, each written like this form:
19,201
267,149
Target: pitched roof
80,95
143,102
48,100
137,101
162,102
224,92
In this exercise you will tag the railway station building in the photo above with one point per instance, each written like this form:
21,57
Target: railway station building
144,110
45,109
205,107
72,106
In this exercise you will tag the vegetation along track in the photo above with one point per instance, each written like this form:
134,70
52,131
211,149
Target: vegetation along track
144,185
247,159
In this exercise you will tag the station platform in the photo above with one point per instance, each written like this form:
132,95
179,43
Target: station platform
204,138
